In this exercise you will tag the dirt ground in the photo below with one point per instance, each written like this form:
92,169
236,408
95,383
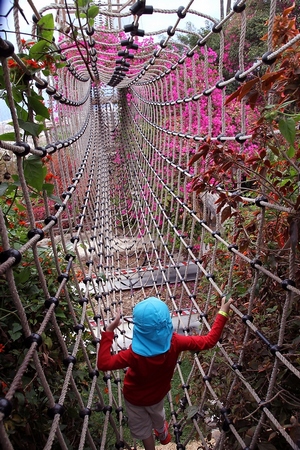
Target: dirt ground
192,445
172,446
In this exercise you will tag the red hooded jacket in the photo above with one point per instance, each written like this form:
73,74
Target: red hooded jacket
147,380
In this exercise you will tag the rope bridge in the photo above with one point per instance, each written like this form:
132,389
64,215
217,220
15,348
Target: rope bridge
149,164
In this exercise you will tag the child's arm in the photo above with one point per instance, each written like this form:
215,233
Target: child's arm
225,306
115,323
209,340
107,361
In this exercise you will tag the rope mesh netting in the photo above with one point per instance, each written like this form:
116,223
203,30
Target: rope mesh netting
146,164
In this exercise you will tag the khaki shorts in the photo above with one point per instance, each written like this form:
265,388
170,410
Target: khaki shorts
143,419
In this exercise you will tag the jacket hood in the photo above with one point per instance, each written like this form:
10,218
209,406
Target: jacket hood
153,328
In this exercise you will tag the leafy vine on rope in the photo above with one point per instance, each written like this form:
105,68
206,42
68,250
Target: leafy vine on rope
37,56
274,164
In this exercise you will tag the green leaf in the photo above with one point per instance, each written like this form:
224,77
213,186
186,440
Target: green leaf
3,188
32,291
12,187
291,152
93,11
296,117
17,95
34,172
293,172
59,65
55,199
82,3
22,113
8,137
46,27
23,275
48,341
20,397
287,128
21,207
31,127
39,118
15,331
38,50
48,187
16,179
38,107
191,411
59,313
46,72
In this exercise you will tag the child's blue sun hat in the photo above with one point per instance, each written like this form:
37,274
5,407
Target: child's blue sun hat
153,328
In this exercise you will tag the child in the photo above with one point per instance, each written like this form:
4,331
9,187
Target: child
151,360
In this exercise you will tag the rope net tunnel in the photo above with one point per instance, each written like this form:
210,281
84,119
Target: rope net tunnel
137,164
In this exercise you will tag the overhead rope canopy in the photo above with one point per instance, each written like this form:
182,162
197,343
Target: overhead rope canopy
139,163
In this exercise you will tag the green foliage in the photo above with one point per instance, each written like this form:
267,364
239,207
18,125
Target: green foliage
8,137
34,172
35,101
273,169
39,55
29,422
287,127
191,40
46,28
87,10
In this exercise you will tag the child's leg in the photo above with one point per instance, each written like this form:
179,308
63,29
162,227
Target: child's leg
149,443
158,416
140,424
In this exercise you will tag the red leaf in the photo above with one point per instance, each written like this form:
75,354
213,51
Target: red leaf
232,96
287,11
194,158
272,76
204,149
227,166
219,200
252,99
252,160
247,87
274,149
220,206
262,154
226,213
